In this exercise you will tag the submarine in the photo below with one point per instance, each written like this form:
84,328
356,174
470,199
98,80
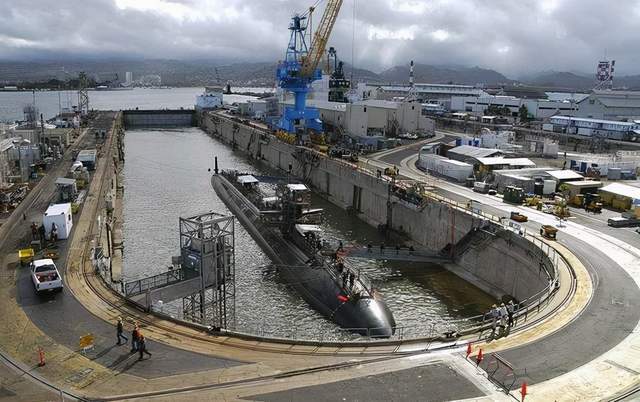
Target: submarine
283,226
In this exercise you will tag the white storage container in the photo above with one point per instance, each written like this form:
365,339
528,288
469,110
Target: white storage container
60,214
549,187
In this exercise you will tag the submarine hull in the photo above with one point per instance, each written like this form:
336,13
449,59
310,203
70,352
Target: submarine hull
367,315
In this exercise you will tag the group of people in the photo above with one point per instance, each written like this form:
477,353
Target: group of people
348,277
138,341
502,315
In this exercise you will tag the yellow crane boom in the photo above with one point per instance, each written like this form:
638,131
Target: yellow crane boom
320,38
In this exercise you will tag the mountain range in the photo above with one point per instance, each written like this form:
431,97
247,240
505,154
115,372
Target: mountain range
210,72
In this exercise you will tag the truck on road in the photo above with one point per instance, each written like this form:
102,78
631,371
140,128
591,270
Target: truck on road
45,276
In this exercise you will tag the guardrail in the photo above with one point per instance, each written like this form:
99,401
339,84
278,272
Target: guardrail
143,285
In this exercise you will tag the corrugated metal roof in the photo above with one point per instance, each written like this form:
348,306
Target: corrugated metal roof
564,174
584,183
475,152
506,161
65,182
623,190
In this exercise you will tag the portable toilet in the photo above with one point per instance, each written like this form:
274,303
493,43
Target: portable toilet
60,214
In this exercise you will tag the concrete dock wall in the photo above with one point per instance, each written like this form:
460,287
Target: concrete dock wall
158,118
500,266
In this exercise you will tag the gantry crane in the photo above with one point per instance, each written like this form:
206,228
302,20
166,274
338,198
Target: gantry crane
300,69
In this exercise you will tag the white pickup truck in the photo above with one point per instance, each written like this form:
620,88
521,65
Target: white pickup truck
45,276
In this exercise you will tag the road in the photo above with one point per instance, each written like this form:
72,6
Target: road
610,316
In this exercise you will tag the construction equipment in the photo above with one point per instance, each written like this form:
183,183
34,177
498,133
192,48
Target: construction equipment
25,255
518,217
300,68
391,172
338,85
592,203
534,201
548,231
513,195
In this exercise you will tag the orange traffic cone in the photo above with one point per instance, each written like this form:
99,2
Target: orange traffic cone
523,390
479,357
468,349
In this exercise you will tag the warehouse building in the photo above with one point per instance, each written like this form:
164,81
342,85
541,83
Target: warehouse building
613,129
425,93
619,196
538,109
610,105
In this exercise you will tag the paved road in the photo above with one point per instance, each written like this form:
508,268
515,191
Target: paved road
609,318
424,383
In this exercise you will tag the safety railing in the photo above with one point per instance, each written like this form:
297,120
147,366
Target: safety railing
143,285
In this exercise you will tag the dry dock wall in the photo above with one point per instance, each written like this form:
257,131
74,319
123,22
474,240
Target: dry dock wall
502,264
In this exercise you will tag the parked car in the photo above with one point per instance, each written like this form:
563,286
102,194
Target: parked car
45,276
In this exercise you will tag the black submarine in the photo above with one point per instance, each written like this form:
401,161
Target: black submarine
283,226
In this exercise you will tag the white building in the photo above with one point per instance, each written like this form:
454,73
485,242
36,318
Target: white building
537,108
128,79
427,93
610,105
374,118
614,129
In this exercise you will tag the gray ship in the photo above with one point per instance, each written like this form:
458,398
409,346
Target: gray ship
285,227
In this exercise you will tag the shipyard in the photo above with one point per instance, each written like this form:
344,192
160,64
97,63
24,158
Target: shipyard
188,229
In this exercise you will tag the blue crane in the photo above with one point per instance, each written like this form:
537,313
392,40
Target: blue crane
300,69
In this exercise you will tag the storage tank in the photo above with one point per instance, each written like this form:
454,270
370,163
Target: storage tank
549,187
538,188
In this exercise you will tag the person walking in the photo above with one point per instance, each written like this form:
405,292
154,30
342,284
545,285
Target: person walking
493,314
120,330
511,308
135,336
142,346
503,316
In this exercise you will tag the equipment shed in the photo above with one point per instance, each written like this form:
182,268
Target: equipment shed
619,196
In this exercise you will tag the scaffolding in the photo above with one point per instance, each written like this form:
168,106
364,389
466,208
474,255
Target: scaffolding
207,246
83,94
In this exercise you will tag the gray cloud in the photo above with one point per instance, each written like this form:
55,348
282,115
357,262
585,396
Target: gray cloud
513,37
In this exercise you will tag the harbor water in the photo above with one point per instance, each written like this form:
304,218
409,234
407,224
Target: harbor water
167,176
50,103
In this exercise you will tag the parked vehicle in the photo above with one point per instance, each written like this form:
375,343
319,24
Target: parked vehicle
518,217
481,187
548,231
45,276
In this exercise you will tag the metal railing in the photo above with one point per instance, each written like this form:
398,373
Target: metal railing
143,285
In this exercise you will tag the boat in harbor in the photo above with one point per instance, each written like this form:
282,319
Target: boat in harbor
286,227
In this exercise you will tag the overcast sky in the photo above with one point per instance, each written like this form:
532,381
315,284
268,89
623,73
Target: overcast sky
512,36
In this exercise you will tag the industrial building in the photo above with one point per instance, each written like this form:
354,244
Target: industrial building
624,164
613,129
620,196
537,108
471,154
371,121
427,93
610,105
